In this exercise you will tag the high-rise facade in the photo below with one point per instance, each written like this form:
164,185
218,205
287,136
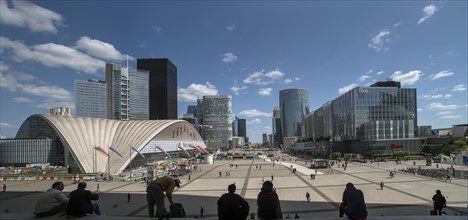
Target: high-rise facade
162,87
217,117
192,109
277,134
294,106
127,93
63,111
90,98
373,120
242,128
374,113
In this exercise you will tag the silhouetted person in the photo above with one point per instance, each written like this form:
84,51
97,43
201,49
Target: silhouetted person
202,212
296,216
268,203
381,185
155,195
79,203
232,206
128,197
439,202
52,202
353,204
4,187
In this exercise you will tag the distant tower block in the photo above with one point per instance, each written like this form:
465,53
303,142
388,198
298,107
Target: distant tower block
63,111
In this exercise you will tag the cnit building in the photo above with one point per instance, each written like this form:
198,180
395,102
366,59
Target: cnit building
375,120
115,117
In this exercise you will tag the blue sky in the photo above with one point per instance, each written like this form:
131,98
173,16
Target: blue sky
249,50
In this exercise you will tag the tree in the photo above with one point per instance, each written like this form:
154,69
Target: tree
336,155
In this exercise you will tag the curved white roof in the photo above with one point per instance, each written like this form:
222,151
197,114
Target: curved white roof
80,135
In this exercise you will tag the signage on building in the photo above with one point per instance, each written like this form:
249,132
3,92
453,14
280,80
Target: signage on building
361,90
395,146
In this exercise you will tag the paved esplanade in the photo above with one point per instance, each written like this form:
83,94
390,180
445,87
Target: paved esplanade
403,195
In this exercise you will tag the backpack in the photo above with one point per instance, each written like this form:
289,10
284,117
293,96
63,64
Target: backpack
177,211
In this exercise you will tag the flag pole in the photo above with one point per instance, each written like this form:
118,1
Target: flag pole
94,159
130,161
108,162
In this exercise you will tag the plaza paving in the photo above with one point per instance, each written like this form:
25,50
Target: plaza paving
406,195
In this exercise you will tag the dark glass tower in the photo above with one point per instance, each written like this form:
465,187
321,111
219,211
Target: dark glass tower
162,87
242,128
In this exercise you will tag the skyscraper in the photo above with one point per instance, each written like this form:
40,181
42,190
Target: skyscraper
63,111
162,87
127,93
217,116
90,98
192,109
242,128
277,135
294,105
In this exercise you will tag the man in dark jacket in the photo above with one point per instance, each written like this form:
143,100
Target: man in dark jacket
79,203
353,204
268,203
232,206
439,202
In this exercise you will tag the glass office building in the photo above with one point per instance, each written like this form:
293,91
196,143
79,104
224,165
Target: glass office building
375,113
90,98
217,117
294,106
127,93
375,120
162,87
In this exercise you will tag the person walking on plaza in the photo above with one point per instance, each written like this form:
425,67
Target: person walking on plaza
448,178
439,202
52,202
353,204
271,177
155,195
232,206
79,203
4,187
268,203
308,196
381,185
128,197
202,212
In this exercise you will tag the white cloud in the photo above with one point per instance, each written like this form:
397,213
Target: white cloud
440,106
229,58
444,113
156,28
289,80
378,41
265,91
406,78
254,113
345,89
267,129
4,125
231,27
22,100
54,96
100,49
255,121
262,78
29,15
3,67
52,55
363,78
438,96
428,12
451,116
459,88
397,24
420,110
196,91
236,89
380,73
441,74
